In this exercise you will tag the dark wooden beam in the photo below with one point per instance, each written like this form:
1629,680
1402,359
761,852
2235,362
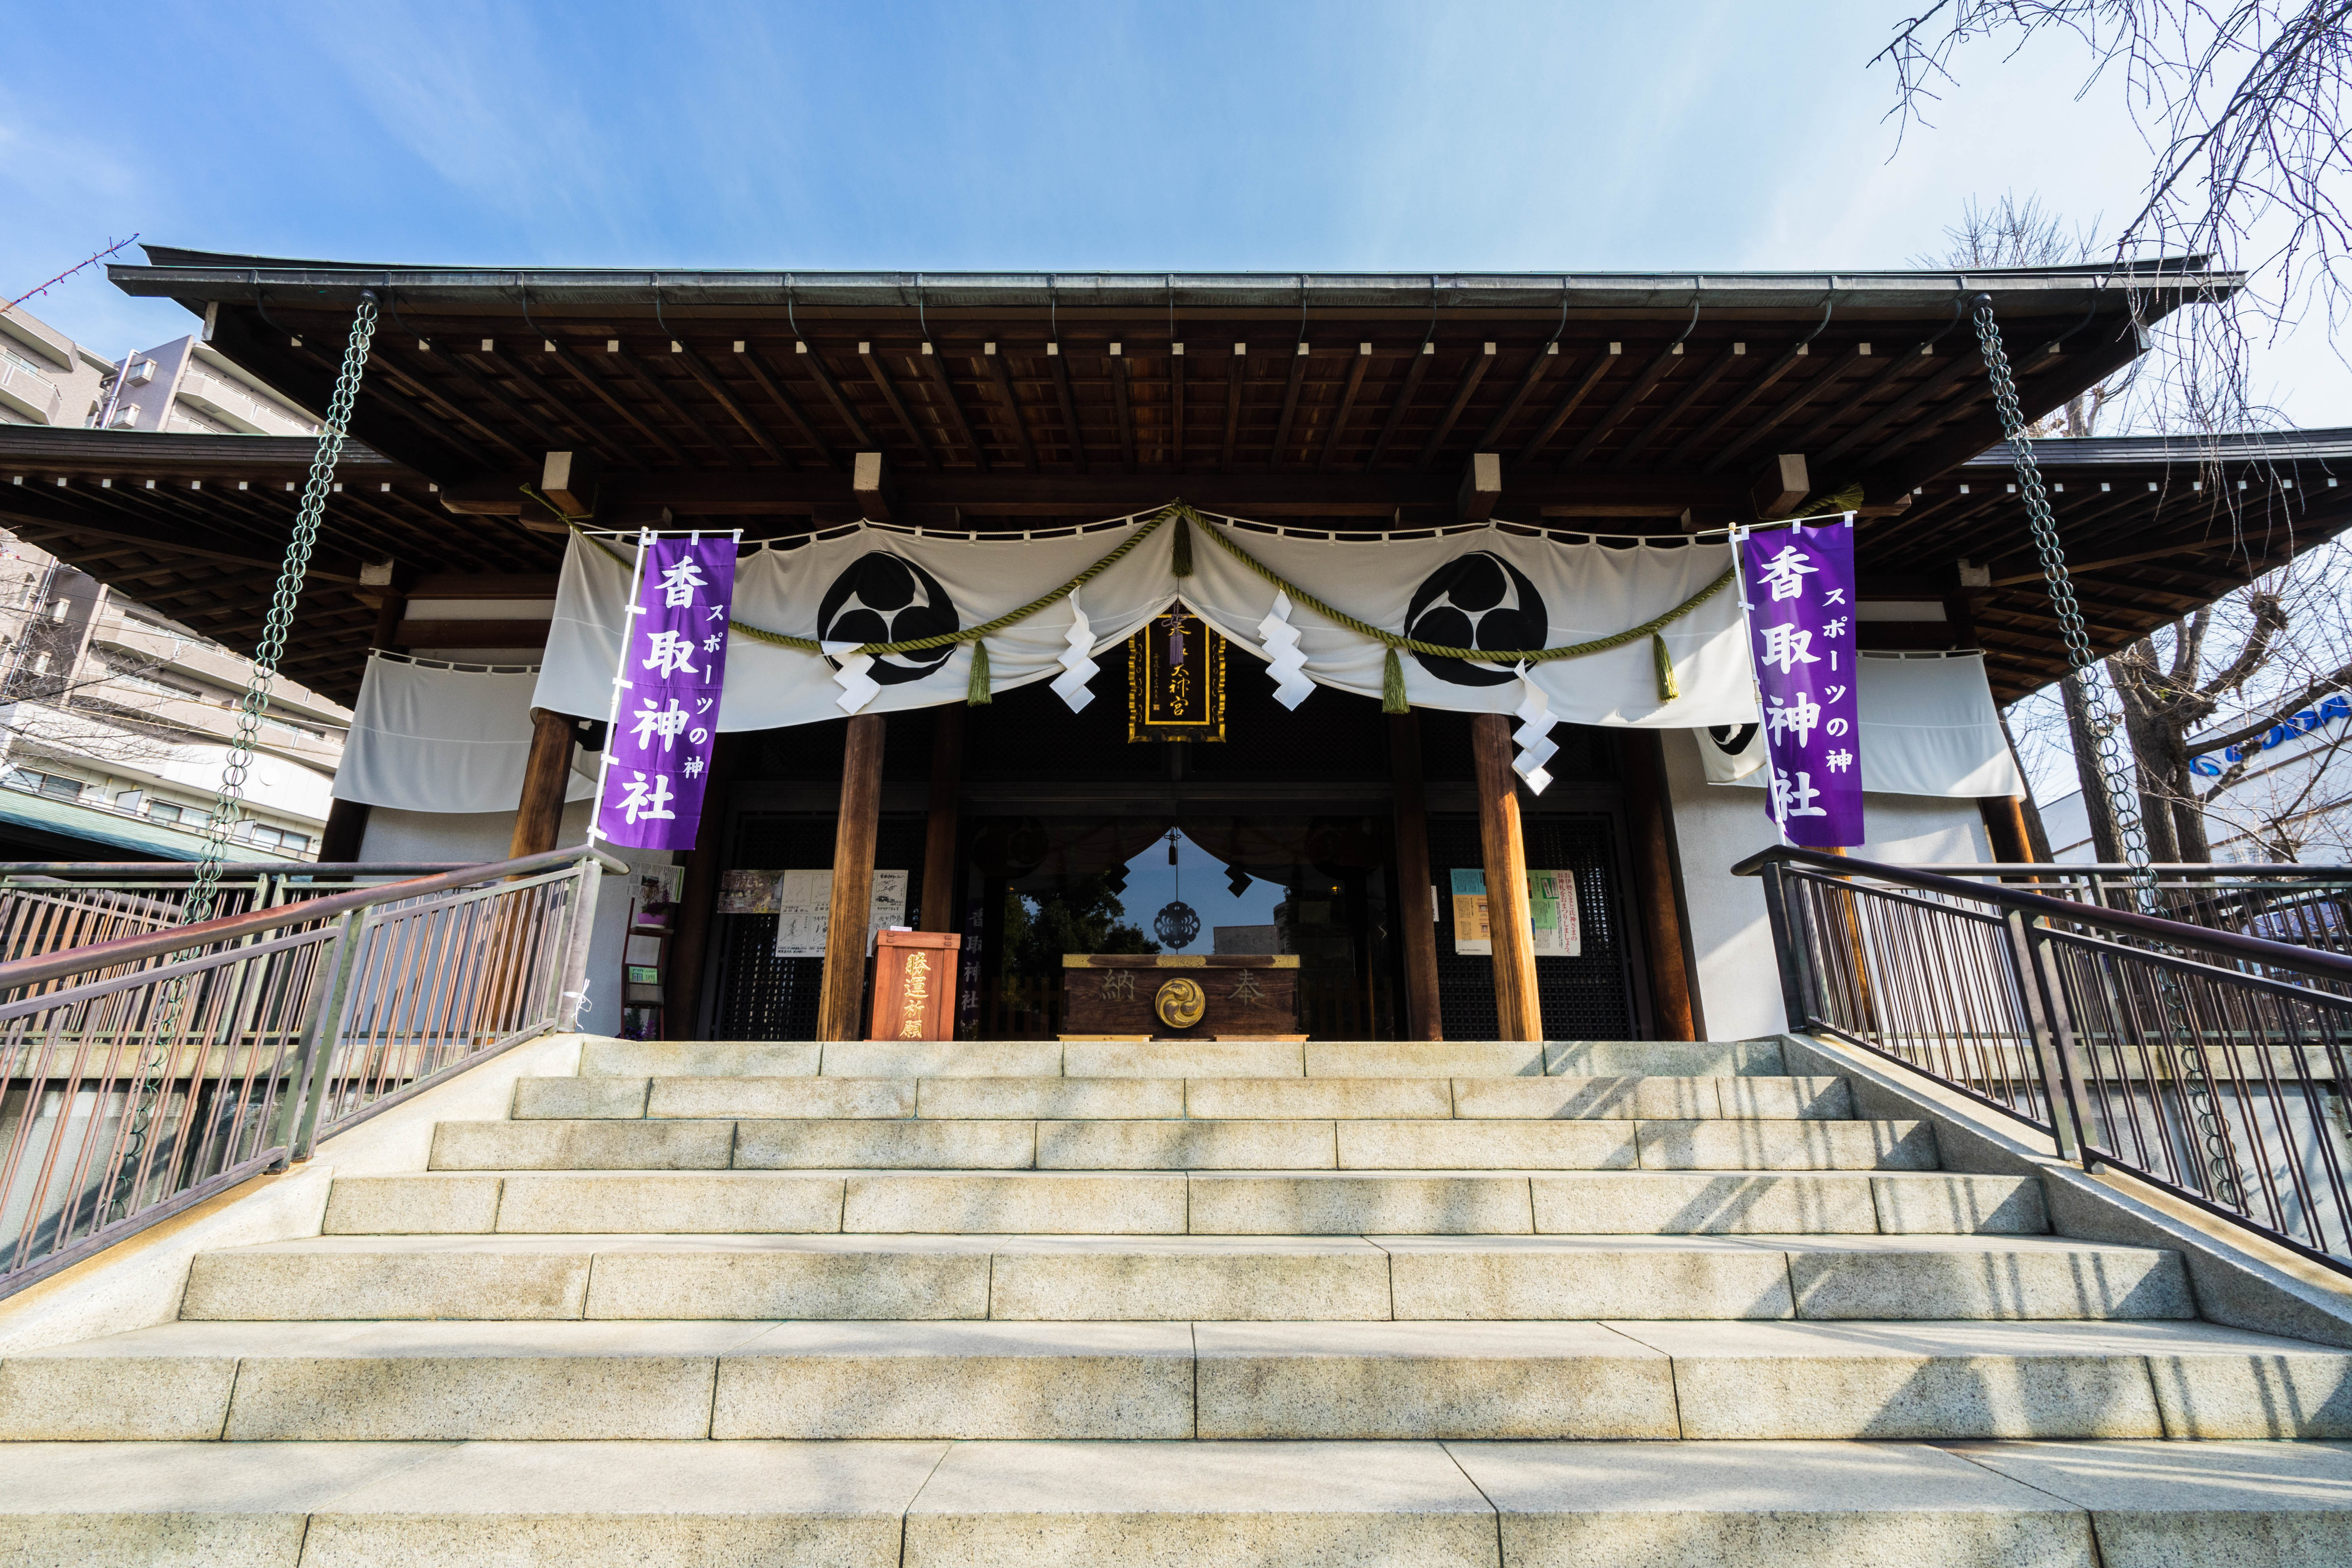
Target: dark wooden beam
1122,407
879,374
1176,406
805,353
1236,374
871,486
1538,368
385,368
1652,373
1579,390
519,367
1786,360
1683,400
855,821
658,385
702,371
1786,409
24,504
1475,372
936,363
993,362
1482,486
1405,389
1077,436
603,393
488,389
773,386
1355,382
1289,404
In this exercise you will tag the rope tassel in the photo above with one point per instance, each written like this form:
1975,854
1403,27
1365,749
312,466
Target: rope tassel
1668,687
1392,698
1182,562
977,695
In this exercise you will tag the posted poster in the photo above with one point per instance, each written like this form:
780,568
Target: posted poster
1552,909
748,892
803,902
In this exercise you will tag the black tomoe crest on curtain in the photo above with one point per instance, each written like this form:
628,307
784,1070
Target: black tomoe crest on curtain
1478,600
881,597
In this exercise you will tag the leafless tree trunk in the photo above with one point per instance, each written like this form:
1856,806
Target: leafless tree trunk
2106,844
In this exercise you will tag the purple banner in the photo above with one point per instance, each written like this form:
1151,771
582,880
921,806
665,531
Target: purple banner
673,666
1799,584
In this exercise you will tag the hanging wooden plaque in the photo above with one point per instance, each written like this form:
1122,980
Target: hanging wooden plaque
1176,680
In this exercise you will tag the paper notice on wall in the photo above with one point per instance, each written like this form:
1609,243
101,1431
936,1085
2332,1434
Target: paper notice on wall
1552,909
1551,906
805,900
888,907
748,892
1470,933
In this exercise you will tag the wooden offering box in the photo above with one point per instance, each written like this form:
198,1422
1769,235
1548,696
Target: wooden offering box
1179,996
915,985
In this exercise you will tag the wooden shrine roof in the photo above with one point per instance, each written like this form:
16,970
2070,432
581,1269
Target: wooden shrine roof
1618,403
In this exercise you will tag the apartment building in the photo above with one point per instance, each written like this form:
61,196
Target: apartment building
183,386
115,724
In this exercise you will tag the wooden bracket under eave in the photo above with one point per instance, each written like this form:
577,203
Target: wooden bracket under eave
1781,485
871,487
1482,486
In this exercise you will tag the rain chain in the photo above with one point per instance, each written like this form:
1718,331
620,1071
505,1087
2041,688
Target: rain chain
229,802
2213,1129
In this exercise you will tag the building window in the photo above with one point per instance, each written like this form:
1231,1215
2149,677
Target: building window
52,785
281,838
163,811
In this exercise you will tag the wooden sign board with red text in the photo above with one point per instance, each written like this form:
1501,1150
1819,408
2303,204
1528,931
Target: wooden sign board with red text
915,985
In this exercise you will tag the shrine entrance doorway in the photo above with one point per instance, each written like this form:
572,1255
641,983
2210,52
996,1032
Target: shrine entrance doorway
1318,888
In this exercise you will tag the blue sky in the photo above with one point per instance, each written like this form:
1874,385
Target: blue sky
1274,136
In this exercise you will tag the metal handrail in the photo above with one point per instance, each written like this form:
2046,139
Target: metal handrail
2213,1065
2179,933
174,1063
231,928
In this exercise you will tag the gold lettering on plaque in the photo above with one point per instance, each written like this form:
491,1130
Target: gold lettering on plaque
1247,989
1118,986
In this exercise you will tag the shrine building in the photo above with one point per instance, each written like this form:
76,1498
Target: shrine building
1152,782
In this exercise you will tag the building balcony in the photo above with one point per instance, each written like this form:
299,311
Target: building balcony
175,650
28,392
232,403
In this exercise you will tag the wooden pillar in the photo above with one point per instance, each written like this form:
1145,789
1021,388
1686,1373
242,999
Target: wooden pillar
1650,817
698,898
840,1003
539,816
346,827
2004,820
1517,1013
1415,921
940,903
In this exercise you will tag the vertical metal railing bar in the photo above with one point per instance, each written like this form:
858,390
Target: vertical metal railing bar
247,1057
2268,1092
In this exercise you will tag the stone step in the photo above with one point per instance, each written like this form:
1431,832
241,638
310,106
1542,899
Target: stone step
1572,1202
1165,1504
1132,1279
709,1098
1180,1058
1185,1145
454,1381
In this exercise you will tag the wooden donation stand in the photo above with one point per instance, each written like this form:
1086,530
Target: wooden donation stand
915,985
1179,996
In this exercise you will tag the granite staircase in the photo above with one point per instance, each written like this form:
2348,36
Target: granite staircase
1041,1303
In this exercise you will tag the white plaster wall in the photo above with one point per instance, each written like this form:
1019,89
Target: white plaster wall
1718,826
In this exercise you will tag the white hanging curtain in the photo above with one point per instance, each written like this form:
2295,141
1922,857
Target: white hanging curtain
429,737
1928,727
1477,586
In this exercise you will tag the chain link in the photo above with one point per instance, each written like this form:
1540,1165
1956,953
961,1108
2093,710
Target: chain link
229,802
2118,777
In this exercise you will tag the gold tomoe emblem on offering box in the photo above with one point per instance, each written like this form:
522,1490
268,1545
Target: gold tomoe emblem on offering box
1176,680
1181,1004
